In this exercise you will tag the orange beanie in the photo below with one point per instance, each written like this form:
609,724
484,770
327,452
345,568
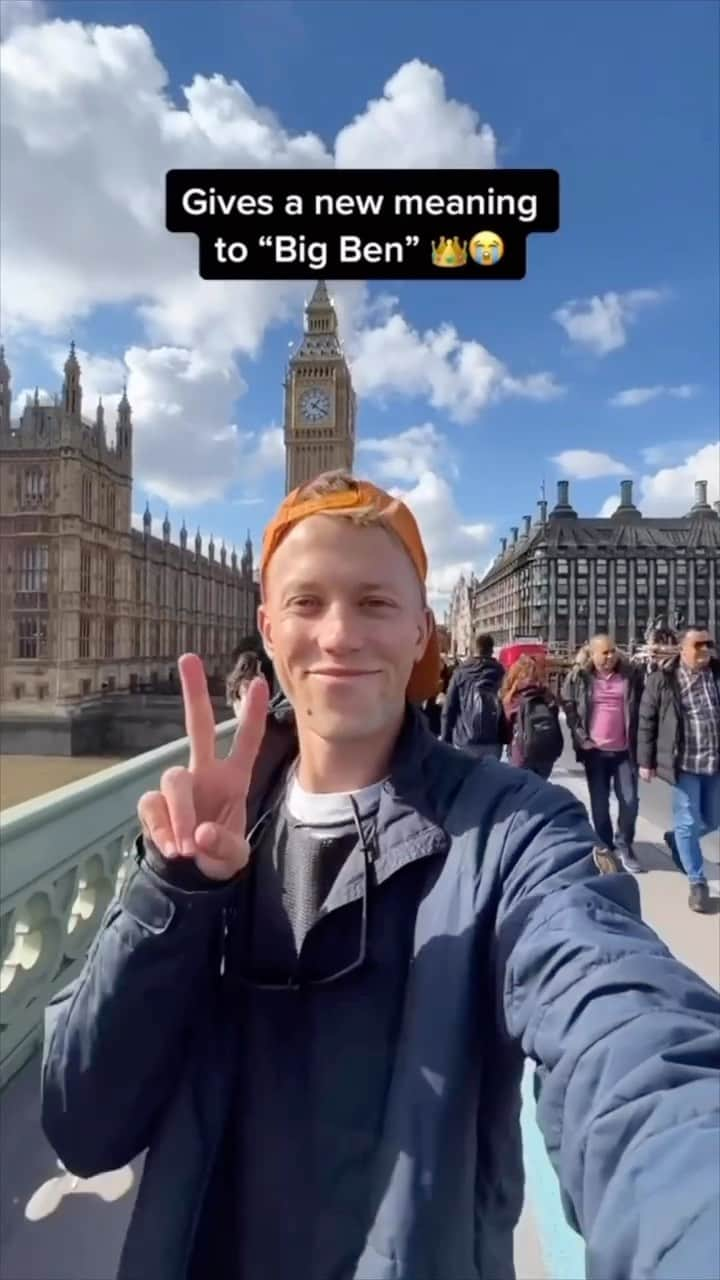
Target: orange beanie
425,676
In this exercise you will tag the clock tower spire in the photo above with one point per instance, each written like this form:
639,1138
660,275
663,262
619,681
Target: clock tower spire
320,404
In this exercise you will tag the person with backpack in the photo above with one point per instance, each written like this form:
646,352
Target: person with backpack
472,718
532,718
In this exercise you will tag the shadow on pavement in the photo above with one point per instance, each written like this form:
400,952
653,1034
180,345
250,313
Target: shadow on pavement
75,1231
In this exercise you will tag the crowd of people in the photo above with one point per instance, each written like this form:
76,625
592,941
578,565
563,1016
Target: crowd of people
629,721
311,1005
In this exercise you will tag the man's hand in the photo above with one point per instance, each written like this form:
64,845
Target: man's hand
647,775
200,812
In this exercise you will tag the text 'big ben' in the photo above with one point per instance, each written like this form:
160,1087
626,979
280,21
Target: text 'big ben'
320,404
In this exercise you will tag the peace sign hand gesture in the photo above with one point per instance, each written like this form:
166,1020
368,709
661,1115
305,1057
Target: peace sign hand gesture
201,812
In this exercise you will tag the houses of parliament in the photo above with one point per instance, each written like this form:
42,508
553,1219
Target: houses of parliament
90,605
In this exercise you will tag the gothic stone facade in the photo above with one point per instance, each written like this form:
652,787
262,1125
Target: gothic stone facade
320,404
567,577
87,602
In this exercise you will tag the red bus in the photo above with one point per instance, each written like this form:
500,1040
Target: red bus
512,651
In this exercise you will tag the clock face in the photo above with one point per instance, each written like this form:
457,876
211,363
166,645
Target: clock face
315,404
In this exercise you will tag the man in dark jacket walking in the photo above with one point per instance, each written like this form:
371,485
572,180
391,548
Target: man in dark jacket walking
601,697
312,1002
472,716
679,741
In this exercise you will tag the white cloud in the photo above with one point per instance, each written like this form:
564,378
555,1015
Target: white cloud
27,393
420,459
186,448
453,545
270,451
20,13
416,126
458,376
600,323
634,396
671,490
407,455
584,464
89,107
609,506
670,453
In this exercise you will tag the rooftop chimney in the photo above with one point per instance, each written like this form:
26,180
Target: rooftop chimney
527,521
701,506
627,509
514,531
562,509
542,511
503,546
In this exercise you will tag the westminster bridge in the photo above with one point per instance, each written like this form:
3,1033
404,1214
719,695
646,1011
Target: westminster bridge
63,857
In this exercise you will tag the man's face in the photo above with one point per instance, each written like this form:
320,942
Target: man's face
344,622
697,650
604,655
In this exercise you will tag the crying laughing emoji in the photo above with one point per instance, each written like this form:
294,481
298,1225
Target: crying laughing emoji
486,248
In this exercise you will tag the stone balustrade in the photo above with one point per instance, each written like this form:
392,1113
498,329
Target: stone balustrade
64,857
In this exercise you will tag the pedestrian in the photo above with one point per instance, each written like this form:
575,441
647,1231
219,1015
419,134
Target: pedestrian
532,717
601,698
472,715
253,644
312,1003
432,707
246,669
678,741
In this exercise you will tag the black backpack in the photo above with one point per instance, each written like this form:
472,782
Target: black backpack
538,735
482,715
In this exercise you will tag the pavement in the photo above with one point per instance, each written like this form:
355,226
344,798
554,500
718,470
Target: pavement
55,1227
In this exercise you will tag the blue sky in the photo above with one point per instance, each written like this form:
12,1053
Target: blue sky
621,302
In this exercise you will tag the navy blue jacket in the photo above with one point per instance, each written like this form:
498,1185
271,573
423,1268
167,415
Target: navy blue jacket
518,949
477,676
661,735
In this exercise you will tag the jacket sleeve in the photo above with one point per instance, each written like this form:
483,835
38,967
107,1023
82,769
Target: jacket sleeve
451,707
569,702
568,699
115,1039
627,1046
506,725
648,718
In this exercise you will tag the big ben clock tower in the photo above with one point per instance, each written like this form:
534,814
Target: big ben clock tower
320,403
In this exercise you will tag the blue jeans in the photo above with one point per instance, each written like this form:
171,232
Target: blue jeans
606,769
696,812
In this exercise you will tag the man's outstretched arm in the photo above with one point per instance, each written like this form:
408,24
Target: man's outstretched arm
627,1045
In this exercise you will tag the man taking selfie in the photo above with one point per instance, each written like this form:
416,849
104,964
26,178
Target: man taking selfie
313,1002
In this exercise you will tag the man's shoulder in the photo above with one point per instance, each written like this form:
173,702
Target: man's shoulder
478,785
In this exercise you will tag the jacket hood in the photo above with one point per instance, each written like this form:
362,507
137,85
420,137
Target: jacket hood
479,667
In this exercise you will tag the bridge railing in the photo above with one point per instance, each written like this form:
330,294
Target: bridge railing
64,856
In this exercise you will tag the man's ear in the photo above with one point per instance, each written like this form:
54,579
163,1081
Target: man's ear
428,620
265,629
